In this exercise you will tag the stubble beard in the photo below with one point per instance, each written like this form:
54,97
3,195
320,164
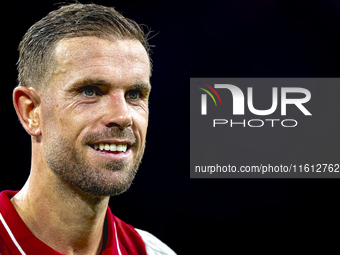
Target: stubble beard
106,178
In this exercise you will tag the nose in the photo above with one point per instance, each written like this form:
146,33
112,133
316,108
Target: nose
117,112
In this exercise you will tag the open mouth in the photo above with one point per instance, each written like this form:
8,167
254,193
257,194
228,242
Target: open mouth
111,147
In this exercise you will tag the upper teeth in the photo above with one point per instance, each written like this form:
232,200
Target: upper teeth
111,147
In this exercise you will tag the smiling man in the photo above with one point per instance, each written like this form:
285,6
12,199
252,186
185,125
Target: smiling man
83,97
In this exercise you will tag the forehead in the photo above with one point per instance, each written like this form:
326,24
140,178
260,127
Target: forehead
116,61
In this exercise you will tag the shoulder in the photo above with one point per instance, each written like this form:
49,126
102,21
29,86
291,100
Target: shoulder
153,245
131,236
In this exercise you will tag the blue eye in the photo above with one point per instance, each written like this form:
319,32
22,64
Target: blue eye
134,94
89,92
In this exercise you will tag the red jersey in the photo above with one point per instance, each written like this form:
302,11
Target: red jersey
17,239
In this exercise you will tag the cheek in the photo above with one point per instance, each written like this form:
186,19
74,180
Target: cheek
61,122
141,120
48,119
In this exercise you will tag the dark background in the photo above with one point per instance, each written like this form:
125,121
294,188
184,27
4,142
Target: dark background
239,38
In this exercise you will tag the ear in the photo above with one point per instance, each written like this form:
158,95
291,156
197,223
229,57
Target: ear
27,105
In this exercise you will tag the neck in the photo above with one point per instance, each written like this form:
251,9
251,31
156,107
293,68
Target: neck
66,219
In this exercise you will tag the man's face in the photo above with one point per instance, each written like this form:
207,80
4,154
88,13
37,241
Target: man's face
95,113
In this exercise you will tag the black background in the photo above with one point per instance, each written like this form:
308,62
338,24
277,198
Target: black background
239,38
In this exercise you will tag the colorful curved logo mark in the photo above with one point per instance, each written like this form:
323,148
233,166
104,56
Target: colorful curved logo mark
204,97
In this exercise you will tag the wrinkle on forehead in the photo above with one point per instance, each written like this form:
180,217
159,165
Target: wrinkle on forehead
74,50
88,53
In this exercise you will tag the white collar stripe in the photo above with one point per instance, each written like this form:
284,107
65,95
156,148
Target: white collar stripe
11,235
119,252
21,250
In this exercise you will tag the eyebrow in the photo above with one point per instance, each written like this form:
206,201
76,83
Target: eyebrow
103,83
87,82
